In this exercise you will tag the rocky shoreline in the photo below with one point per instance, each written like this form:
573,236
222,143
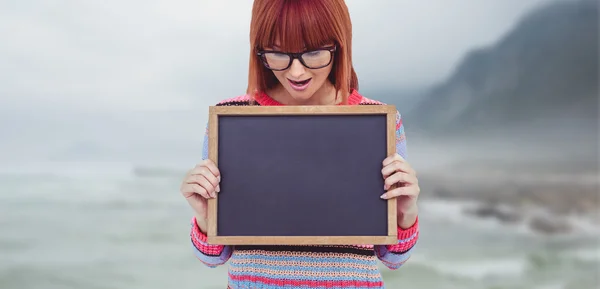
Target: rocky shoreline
546,206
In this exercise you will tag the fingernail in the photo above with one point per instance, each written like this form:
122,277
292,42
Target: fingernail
218,189
383,196
219,178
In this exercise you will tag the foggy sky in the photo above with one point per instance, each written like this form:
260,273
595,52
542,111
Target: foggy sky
160,55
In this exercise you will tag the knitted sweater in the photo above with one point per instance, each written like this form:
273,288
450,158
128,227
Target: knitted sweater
307,267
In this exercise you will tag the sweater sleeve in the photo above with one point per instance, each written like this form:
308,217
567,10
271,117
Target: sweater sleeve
209,254
394,256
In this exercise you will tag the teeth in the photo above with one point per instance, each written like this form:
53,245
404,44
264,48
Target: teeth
300,82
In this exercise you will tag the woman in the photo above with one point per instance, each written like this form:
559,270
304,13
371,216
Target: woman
301,55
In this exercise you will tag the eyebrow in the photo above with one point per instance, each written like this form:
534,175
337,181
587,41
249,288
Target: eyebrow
277,48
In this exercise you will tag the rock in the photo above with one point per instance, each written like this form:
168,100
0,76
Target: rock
504,215
549,226
444,193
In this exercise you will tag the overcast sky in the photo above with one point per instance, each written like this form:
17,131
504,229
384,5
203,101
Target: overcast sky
165,54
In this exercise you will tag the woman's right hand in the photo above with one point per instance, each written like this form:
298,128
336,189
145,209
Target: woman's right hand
200,184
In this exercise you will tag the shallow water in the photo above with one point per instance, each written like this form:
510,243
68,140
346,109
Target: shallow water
112,229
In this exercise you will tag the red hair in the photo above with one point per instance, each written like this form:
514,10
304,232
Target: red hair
301,25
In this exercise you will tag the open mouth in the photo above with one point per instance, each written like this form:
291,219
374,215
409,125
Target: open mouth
299,85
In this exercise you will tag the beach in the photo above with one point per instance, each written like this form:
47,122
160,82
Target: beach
112,225
105,106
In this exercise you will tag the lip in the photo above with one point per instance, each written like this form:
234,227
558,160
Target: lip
299,87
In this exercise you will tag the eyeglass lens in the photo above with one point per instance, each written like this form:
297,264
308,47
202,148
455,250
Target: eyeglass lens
312,59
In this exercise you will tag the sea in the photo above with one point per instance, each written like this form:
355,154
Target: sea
108,225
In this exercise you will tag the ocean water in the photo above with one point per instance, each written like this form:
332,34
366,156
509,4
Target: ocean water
104,226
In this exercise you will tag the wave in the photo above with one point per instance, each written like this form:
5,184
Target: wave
524,266
67,169
88,169
456,212
151,171
589,254
498,268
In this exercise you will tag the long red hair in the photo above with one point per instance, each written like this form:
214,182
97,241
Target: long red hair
300,25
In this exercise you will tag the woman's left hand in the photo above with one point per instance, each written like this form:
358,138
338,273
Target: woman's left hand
402,178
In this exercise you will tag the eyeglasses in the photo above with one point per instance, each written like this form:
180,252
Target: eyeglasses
314,59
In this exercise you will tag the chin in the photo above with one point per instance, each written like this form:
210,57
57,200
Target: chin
304,95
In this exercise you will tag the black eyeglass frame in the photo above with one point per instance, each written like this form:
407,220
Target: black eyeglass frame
298,55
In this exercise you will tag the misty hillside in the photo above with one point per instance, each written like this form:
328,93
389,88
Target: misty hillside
546,68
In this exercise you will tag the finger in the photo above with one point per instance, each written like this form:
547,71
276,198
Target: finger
400,177
201,169
202,181
400,191
215,172
393,158
212,167
189,190
207,166
397,166
206,173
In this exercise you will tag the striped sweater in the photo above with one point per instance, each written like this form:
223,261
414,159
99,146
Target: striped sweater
307,267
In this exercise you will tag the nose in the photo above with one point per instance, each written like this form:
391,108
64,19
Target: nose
297,69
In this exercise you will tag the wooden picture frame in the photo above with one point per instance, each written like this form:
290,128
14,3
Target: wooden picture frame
385,128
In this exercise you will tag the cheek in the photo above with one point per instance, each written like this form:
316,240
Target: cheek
322,75
279,75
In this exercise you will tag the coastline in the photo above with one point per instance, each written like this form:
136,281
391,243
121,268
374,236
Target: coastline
547,201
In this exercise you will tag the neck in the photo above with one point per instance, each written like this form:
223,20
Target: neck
326,95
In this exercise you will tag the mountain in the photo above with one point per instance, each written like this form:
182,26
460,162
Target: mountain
542,71
405,99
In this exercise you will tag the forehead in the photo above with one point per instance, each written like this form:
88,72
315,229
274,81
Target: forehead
301,26
278,46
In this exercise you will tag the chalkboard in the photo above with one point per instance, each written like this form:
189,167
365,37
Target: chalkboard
301,175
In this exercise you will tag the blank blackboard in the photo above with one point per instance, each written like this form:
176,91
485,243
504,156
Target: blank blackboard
301,174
